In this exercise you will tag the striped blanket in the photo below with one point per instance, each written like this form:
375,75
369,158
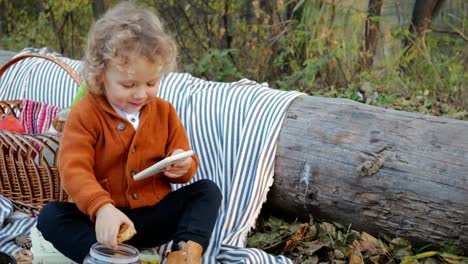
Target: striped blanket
233,128
12,225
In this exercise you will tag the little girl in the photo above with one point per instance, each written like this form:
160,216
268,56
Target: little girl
118,129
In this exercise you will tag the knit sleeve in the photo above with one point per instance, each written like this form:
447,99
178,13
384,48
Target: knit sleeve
76,160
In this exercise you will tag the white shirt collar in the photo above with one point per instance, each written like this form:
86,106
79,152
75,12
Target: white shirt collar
134,118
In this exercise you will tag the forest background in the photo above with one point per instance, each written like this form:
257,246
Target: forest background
374,51
408,55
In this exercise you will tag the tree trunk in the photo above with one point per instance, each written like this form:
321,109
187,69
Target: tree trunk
39,7
226,39
4,8
98,8
371,34
423,13
400,173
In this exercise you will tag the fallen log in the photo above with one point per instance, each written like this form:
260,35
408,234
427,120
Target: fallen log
380,170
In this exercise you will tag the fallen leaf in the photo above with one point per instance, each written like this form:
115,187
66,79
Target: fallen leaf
356,256
296,238
400,248
368,246
453,259
313,246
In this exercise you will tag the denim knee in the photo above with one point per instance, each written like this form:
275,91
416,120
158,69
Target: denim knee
47,218
210,189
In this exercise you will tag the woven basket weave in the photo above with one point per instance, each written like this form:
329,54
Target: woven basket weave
28,163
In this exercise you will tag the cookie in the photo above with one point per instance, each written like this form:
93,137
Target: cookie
125,233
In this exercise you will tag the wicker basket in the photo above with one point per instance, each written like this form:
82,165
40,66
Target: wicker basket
28,163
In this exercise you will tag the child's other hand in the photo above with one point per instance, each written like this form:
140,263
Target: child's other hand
178,169
108,222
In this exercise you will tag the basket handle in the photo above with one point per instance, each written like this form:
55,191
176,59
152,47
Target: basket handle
56,60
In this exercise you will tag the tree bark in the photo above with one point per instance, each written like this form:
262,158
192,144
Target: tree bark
98,8
371,34
58,29
4,5
226,38
423,13
39,7
403,174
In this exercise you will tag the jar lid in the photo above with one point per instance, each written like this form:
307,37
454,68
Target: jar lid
124,254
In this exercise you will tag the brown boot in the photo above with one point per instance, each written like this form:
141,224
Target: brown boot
189,253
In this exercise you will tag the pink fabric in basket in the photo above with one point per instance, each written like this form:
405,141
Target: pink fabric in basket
37,117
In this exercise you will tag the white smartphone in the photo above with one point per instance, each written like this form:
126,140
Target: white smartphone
158,167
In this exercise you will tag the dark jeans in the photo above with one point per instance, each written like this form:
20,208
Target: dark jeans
188,213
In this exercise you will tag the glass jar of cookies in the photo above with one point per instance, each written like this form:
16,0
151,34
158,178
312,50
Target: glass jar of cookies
124,254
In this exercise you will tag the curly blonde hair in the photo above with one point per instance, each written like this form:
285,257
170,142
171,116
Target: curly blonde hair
122,33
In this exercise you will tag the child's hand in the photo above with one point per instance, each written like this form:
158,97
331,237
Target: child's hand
108,222
178,169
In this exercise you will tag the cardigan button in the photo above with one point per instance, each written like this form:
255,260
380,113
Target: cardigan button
121,126
135,196
134,149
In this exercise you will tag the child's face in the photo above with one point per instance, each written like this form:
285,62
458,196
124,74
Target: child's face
130,87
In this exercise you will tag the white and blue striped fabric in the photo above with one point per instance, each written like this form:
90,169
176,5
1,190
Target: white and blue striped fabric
233,128
12,225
